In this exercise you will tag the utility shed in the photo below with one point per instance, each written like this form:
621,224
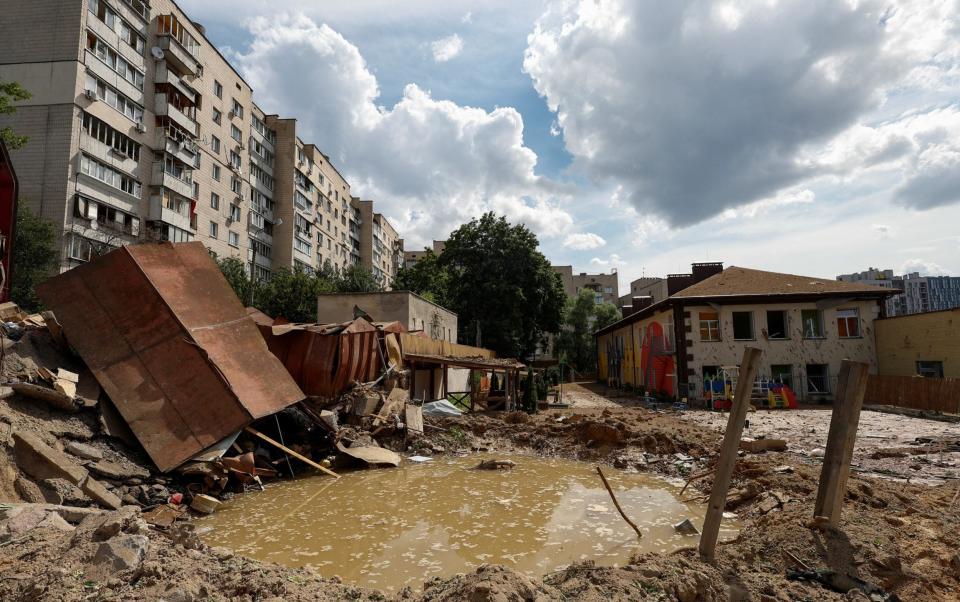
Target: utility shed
172,346
410,309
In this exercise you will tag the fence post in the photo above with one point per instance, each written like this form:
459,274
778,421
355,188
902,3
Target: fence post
728,453
851,387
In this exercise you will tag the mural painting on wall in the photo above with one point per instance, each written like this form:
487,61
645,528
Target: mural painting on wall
656,360
615,360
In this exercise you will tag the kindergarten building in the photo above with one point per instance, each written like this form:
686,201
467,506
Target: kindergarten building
690,343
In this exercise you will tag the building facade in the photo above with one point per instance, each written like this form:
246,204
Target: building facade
605,287
648,286
805,327
410,258
139,129
381,248
410,309
918,294
924,344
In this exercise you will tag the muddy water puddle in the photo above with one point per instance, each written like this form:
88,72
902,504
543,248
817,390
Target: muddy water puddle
393,527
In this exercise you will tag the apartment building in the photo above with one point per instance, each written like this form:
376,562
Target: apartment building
410,258
381,248
605,287
646,286
917,294
805,327
139,129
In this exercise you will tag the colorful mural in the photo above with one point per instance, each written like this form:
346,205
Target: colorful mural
656,360
641,355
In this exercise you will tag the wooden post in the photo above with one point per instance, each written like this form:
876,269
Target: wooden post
851,387
728,452
282,447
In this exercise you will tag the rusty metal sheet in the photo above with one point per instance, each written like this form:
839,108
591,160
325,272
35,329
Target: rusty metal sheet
172,346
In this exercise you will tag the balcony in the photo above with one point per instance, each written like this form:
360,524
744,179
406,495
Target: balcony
165,76
160,213
179,47
165,108
100,69
184,150
163,179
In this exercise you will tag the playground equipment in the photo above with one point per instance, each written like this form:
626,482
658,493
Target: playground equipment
766,392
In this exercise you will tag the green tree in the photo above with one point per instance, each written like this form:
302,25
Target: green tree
356,279
428,278
235,271
11,92
583,317
35,257
605,314
530,397
499,281
292,294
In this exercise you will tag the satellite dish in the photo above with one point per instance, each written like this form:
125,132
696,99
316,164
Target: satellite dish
157,53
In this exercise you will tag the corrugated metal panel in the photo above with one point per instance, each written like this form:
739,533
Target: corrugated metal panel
172,346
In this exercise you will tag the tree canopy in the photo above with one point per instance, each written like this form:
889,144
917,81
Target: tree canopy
11,92
427,278
576,343
35,256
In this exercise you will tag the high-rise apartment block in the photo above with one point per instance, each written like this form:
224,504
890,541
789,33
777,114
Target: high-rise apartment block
139,129
919,293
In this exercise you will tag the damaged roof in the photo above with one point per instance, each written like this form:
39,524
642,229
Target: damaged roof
745,281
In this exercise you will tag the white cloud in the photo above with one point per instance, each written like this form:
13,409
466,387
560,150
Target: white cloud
697,107
467,18
883,231
430,164
613,262
926,268
583,241
784,199
446,48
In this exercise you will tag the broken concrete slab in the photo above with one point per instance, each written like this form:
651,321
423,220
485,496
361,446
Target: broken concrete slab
763,445
122,552
413,417
28,490
371,455
62,491
100,494
52,397
82,450
118,471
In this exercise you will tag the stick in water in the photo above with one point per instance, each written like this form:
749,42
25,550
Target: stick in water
617,504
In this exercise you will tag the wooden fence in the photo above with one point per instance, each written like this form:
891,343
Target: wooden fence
933,394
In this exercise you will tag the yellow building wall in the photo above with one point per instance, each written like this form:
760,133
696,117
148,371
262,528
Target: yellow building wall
903,341
631,338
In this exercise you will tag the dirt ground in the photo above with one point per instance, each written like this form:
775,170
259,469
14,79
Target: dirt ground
898,539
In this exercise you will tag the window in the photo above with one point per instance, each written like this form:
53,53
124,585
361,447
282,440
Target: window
218,89
930,369
743,326
103,12
237,109
235,212
196,190
216,173
848,323
782,373
217,116
115,99
235,133
266,132
301,245
777,325
108,175
261,176
213,230
709,326
235,160
214,200
818,378
113,60
132,38
233,239
104,133
812,320
106,216
236,185
214,144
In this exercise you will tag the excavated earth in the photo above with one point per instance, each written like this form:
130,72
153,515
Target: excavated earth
900,537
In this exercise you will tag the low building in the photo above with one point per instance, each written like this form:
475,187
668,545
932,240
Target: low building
926,344
410,258
647,286
805,327
410,309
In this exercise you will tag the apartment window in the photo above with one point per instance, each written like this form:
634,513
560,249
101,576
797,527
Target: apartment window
818,378
236,185
196,190
218,89
174,234
108,175
115,99
214,201
213,229
104,133
133,39
266,132
237,109
261,176
217,116
782,373
743,326
216,173
103,12
300,200
235,159
709,326
812,320
930,369
233,239
848,323
177,169
235,133
235,212
777,324
302,246
214,144
113,60
106,216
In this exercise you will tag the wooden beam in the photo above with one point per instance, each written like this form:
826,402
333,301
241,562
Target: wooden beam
728,452
282,447
851,387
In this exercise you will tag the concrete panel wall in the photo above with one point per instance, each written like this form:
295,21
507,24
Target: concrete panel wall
903,341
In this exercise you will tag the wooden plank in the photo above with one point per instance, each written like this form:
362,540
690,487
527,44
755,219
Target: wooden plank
413,416
929,394
286,449
851,386
728,452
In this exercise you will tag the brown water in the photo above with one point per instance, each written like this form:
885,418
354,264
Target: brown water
393,527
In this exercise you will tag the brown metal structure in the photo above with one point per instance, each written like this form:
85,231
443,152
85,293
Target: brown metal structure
172,346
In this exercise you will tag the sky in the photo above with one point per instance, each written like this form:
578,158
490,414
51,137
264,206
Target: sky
815,137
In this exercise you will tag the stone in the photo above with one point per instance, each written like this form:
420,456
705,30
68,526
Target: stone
41,461
122,552
83,450
62,491
55,521
118,471
100,494
22,519
178,594
599,432
28,490
896,521
686,527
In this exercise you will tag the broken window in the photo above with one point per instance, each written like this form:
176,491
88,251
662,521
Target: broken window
709,326
782,373
930,369
818,378
812,320
848,323
777,324
743,326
